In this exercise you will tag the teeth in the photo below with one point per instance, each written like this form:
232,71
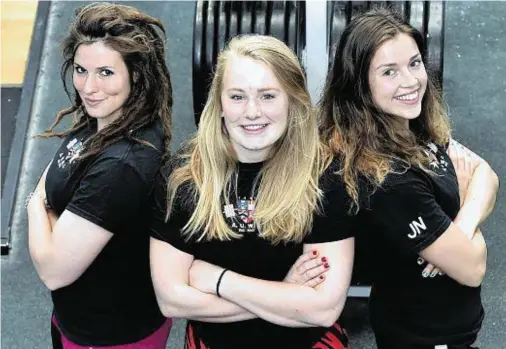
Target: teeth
254,127
410,97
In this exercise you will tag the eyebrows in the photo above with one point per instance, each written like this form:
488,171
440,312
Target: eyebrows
263,89
97,68
388,65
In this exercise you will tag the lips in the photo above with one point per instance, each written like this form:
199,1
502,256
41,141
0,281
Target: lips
92,102
409,98
254,127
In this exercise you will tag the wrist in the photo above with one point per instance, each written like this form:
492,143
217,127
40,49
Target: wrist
37,197
218,283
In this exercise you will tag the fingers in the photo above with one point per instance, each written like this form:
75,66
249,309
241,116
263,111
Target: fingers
468,161
461,158
304,258
431,271
456,155
309,269
427,270
315,281
315,272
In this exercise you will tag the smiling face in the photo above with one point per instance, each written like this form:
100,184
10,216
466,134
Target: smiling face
255,108
102,80
397,78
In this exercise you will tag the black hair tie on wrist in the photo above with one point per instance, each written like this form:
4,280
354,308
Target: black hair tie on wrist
219,282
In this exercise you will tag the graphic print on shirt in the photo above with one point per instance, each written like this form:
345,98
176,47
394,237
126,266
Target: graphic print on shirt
437,160
74,149
239,217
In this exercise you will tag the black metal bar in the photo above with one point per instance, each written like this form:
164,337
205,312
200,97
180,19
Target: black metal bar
22,121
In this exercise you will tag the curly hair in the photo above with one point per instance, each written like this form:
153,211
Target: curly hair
140,39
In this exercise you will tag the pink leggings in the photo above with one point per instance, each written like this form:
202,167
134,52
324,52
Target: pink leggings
157,340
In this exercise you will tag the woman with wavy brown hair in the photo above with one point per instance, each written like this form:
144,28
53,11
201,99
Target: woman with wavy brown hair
88,215
417,209
246,198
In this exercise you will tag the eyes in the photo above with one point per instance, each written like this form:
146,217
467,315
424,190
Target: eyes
263,96
416,63
103,71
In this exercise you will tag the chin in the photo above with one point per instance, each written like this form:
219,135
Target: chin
409,115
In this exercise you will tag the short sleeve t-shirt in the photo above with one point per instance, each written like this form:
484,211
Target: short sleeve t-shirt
113,301
410,211
255,257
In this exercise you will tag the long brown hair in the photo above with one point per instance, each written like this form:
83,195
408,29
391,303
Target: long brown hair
363,137
288,193
140,39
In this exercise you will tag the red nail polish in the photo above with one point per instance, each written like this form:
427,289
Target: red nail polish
314,253
324,259
321,277
326,265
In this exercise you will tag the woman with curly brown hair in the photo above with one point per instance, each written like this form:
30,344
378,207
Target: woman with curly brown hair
88,215
417,208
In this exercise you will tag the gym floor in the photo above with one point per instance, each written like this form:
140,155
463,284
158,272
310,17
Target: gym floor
475,52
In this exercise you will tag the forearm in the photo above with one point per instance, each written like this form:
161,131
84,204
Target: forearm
479,200
285,304
476,270
187,302
39,236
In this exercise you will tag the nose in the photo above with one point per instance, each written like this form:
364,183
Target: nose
409,80
90,85
253,110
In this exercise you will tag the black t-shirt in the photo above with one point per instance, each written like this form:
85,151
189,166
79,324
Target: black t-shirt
254,257
113,301
403,217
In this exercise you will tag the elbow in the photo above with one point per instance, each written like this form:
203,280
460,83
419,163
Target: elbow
169,306
167,310
493,177
328,314
326,318
54,283
50,277
476,276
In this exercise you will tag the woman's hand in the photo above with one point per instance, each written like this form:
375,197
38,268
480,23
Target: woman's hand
431,271
462,162
39,194
309,270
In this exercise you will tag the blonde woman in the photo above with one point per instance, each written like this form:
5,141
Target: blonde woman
245,199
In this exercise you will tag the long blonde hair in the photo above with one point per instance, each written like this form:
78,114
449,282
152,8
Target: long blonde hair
288,192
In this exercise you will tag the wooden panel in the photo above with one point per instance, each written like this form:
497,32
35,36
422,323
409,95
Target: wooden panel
17,18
